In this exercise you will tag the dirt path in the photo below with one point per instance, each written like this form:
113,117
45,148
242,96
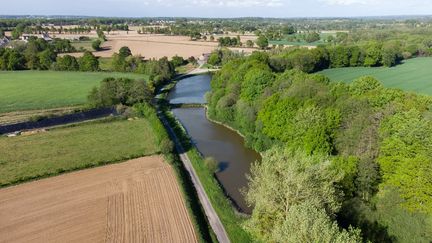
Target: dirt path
211,214
134,201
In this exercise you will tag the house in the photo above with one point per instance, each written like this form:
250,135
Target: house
45,36
4,41
25,37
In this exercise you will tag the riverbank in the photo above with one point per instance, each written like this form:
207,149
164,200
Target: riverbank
227,126
229,216
222,205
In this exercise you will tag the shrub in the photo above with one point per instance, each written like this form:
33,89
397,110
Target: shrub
211,164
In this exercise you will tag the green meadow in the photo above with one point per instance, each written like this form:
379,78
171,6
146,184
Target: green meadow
412,75
29,90
74,147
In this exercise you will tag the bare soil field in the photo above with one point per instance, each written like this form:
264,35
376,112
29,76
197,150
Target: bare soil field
134,201
155,46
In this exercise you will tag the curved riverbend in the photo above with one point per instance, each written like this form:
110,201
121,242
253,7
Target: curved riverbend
216,140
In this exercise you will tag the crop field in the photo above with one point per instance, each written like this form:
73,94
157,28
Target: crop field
413,75
74,147
28,90
135,201
157,46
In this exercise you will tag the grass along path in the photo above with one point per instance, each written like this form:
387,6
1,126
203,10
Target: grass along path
74,147
29,90
413,75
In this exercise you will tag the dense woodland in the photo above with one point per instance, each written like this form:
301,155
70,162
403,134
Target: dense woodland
338,159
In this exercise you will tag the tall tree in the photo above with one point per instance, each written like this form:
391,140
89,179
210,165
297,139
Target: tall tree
88,62
262,42
288,186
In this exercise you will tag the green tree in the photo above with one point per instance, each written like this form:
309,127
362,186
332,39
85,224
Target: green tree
262,42
177,61
391,54
66,63
214,59
249,43
405,158
125,52
12,60
120,91
46,59
365,84
254,83
88,62
31,55
307,223
101,35
373,55
289,30
312,37
96,45
281,185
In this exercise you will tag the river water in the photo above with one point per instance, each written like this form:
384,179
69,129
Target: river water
214,140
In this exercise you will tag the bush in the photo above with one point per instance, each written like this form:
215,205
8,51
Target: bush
96,45
66,63
211,164
88,62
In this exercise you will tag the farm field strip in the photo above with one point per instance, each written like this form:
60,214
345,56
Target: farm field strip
135,201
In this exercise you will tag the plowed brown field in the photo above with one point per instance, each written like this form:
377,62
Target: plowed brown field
134,201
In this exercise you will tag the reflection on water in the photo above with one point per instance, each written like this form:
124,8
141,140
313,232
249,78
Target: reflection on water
190,90
225,145
214,140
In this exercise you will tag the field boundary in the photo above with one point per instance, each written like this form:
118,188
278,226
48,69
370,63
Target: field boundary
213,218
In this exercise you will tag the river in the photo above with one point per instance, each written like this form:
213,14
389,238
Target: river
213,139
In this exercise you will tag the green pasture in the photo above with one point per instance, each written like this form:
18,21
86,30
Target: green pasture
74,147
29,90
412,75
301,43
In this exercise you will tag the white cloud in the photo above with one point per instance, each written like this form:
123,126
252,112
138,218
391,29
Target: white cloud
400,3
211,3
348,2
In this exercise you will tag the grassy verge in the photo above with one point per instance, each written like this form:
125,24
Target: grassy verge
30,90
83,45
74,147
231,220
35,115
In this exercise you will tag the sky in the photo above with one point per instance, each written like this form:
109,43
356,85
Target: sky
217,8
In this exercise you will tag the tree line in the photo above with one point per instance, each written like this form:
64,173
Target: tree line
372,54
38,54
341,162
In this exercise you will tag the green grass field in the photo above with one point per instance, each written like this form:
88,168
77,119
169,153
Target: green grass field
301,43
74,147
87,45
413,75
29,90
